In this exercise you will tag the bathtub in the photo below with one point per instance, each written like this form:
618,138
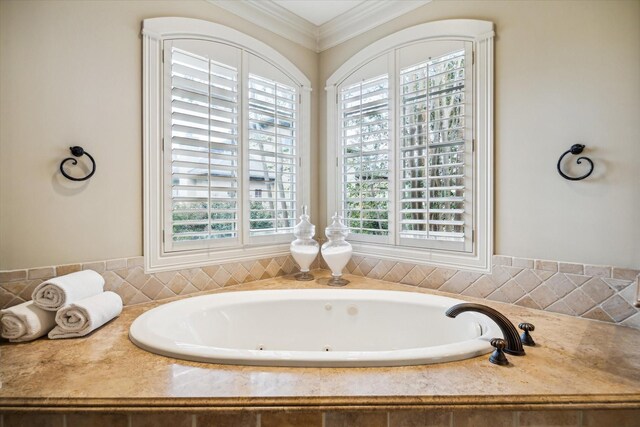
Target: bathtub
314,327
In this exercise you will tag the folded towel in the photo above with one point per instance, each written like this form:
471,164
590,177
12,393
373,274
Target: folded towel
82,317
25,322
64,290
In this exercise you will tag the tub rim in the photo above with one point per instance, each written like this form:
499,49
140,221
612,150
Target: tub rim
294,358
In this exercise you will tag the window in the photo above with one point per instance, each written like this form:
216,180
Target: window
226,155
365,139
411,121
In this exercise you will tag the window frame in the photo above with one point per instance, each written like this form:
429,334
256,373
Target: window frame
155,32
480,34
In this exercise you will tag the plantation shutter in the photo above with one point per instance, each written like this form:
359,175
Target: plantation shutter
272,156
365,156
201,144
434,152
405,147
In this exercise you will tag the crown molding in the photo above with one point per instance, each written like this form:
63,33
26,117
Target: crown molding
275,18
365,16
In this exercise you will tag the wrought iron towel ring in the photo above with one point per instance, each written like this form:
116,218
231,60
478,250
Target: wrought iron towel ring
575,149
78,152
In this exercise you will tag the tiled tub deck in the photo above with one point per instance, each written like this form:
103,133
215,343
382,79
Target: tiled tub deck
581,373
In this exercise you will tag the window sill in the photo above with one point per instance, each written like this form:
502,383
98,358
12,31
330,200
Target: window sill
155,263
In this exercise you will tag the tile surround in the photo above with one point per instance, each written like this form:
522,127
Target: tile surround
127,278
596,292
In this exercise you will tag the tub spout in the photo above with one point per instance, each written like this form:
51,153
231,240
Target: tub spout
514,344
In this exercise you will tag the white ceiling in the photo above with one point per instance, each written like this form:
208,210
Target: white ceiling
318,24
318,12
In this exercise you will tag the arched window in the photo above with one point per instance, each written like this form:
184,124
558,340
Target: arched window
410,144
226,145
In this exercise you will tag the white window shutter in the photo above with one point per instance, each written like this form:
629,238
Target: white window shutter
203,132
197,132
440,171
365,144
272,165
233,150
435,136
410,187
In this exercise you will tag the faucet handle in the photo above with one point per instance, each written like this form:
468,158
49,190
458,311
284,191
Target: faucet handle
498,356
525,337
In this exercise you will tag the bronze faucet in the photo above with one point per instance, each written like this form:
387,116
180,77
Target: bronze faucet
513,341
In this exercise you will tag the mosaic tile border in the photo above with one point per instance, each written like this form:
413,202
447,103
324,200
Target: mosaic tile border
597,292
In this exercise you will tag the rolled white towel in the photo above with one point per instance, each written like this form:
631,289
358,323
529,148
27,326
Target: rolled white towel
25,322
82,317
55,293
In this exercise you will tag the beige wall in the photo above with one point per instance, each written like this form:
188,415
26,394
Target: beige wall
566,72
71,74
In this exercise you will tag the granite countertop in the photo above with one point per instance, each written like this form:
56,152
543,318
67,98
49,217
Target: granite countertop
577,363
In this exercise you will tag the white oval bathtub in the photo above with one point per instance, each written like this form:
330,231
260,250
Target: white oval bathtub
314,327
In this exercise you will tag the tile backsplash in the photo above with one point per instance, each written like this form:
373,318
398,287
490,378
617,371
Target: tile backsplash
597,292
127,278
602,293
